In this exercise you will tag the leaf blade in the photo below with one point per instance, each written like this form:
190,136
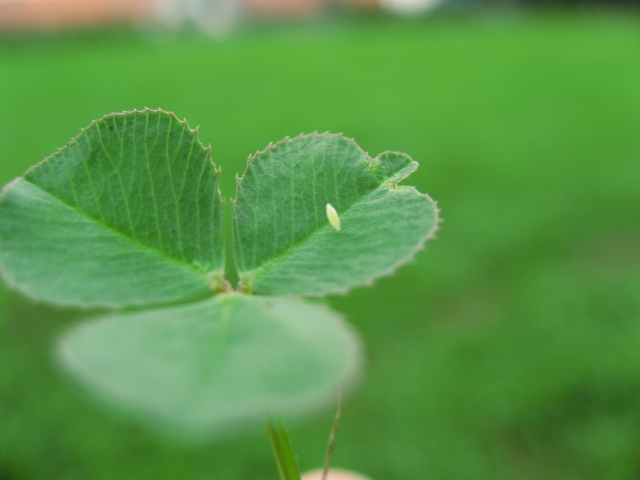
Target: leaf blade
112,175
327,263
310,257
152,276
208,368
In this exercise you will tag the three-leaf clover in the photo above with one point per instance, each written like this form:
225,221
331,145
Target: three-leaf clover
128,217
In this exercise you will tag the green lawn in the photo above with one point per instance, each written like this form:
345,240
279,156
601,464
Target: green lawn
510,349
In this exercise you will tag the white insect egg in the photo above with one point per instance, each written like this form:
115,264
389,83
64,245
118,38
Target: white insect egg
333,217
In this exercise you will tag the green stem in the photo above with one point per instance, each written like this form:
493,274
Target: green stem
281,444
332,439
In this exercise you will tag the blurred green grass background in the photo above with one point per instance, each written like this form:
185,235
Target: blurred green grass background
510,349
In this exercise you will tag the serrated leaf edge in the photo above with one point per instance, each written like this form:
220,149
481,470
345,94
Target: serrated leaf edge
242,287
216,277
431,235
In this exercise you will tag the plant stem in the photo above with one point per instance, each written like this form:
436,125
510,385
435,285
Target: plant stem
332,439
282,450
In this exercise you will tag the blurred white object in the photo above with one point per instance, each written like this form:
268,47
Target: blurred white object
409,7
215,17
334,474
171,13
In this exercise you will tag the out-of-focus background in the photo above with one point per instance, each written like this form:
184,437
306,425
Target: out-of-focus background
510,349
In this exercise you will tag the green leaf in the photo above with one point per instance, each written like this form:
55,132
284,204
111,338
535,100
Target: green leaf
213,366
128,213
282,237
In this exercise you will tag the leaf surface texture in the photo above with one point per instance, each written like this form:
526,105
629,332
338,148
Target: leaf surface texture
126,214
216,365
283,241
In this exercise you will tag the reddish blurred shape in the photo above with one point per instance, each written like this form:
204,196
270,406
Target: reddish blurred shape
51,14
